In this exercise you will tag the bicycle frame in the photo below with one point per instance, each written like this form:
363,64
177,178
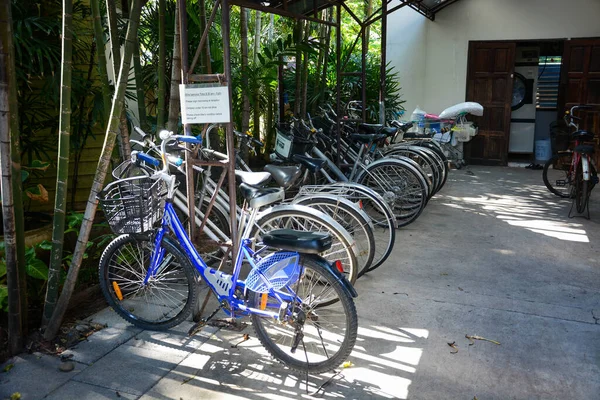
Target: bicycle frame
224,286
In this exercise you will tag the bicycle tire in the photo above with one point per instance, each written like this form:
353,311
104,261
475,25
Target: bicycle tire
352,219
275,336
373,205
392,189
291,217
121,289
424,161
582,193
558,176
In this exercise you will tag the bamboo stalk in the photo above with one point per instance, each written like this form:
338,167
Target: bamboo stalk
9,208
256,112
174,104
244,49
162,66
62,172
103,164
101,53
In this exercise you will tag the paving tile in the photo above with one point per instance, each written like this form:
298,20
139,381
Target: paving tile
34,376
132,369
101,343
77,390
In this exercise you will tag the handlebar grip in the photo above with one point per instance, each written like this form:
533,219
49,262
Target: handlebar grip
258,142
140,131
148,159
188,139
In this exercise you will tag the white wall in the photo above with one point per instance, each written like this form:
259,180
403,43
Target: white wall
433,67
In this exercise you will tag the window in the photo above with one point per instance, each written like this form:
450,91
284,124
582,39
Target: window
548,79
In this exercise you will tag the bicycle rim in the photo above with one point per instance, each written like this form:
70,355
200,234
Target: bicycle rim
166,299
329,330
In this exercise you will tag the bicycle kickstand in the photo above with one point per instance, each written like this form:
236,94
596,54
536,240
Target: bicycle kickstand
197,327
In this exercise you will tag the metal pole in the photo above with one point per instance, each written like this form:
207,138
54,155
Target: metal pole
383,62
338,49
225,30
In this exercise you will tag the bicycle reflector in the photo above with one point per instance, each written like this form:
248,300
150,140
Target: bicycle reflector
117,290
339,266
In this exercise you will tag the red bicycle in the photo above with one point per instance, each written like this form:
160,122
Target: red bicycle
572,173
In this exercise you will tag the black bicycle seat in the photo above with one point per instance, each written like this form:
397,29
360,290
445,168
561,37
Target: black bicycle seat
370,128
285,176
389,131
313,164
585,149
367,138
259,197
302,242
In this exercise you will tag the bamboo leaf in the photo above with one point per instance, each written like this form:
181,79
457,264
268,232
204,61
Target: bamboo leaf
45,245
2,267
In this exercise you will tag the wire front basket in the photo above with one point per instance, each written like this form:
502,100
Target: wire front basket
133,205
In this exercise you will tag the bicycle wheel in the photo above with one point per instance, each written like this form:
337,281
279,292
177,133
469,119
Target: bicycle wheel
383,221
327,329
165,301
425,162
304,218
582,193
352,219
401,185
558,175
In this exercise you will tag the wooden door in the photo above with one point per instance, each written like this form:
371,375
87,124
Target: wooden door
580,83
489,82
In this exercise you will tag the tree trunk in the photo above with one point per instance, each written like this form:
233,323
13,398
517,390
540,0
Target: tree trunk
8,130
325,60
245,100
368,11
322,39
305,61
298,71
162,66
103,165
101,52
256,112
62,172
174,105
113,36
113,32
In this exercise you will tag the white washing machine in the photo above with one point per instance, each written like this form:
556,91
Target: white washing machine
522,119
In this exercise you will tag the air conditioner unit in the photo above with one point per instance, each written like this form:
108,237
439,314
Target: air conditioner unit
527,55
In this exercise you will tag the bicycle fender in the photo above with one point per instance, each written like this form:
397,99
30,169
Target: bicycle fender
331,268
585,164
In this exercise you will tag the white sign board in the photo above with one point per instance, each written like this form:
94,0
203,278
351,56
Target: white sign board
203,104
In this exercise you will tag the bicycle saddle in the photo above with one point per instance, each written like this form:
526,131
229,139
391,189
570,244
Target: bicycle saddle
585,149
367,138
284,176
404,125
253,178
370,128
389,131
313,164
259,197
582,135
302,242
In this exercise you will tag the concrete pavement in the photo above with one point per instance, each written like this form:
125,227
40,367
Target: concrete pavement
493,255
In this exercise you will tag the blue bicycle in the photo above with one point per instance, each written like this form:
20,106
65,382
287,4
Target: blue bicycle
301,305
